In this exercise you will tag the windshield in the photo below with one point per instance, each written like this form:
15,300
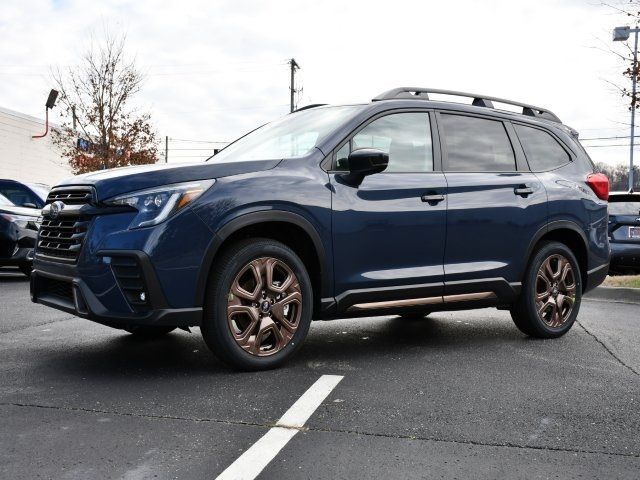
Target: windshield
4,202
292,136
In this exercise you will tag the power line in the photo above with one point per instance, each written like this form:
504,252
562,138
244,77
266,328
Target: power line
610,138
195,141
612,145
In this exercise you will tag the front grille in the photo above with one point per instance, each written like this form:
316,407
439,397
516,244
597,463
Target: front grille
62,238
130,279
57,288
73,196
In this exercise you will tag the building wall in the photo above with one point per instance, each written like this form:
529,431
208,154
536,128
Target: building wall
29,159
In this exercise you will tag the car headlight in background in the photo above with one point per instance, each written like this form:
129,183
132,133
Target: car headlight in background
157,204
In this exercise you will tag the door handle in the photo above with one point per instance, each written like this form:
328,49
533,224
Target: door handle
523,190
432,198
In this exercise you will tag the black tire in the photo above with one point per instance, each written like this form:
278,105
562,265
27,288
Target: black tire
525,313
149,331
26,269
216,329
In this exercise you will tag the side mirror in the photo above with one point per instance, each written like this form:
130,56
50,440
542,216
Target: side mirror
29,205
363,162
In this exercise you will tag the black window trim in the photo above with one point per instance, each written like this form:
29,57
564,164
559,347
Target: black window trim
435,140
563,145
518,153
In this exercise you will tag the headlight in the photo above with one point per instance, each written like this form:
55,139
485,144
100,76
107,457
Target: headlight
157,204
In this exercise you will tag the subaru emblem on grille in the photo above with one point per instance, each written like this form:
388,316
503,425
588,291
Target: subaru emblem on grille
55,209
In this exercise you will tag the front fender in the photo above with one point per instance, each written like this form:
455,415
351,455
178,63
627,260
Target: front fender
245,219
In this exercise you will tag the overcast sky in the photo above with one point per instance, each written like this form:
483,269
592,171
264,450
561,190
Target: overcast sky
215,69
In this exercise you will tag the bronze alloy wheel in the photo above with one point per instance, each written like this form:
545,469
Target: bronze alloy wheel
264,306
555,290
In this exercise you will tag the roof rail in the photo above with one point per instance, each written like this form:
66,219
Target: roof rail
307,107
418,93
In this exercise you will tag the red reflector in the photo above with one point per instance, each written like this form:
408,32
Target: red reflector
599,183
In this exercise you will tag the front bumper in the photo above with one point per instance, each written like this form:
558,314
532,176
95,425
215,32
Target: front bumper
102,297
625,258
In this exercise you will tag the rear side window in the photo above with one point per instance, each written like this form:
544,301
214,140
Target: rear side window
476,145
543,152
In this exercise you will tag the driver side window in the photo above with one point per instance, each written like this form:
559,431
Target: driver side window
406,137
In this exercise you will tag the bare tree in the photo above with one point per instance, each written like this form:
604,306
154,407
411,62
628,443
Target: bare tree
95,98
631,10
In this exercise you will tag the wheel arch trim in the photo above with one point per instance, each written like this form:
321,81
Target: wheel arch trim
551,227
254,218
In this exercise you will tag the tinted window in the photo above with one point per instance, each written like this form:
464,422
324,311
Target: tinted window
542,150
476,145
19,195
406,137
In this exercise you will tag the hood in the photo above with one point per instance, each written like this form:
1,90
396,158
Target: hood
29,212
109,183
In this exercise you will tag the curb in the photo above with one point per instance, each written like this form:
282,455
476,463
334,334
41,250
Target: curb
615,294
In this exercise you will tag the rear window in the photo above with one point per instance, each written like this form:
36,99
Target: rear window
542,150
624,206
476,145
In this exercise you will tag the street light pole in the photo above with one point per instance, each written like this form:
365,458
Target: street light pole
622,34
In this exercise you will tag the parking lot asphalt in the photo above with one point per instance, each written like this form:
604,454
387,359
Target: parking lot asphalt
454,395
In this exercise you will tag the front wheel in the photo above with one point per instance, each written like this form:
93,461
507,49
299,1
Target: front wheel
258,306
551,293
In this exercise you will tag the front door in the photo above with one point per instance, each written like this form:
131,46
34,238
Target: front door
389,232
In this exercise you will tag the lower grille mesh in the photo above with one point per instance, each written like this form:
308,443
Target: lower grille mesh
130,279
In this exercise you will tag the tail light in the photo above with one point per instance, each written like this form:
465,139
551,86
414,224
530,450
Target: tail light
599,183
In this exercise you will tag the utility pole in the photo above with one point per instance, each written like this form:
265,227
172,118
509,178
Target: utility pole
292,88
166,149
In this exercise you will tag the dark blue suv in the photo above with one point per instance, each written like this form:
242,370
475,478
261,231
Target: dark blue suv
405,206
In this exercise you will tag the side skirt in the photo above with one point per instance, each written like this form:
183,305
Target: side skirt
415,298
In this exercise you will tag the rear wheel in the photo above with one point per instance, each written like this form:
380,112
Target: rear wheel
258,306
149,331
551,293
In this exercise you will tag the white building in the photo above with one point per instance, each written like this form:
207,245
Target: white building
26,159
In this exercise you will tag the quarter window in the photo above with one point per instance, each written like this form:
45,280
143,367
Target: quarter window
543,152
406,137
476,145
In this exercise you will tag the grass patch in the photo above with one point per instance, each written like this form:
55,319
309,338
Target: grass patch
629,281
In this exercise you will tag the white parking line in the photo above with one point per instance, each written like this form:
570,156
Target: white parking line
249,465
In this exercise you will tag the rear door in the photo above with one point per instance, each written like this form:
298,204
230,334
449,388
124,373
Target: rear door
389,232
495,205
